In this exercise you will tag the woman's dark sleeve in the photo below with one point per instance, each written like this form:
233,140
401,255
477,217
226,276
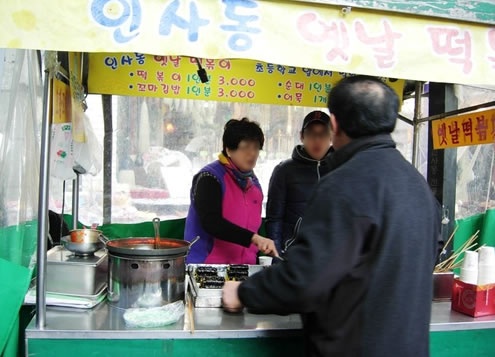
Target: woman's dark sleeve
208,203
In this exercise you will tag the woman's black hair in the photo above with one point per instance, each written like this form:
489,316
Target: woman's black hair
236,131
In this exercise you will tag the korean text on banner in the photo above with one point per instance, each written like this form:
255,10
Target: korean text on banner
291,33
463,130
61,102
229,80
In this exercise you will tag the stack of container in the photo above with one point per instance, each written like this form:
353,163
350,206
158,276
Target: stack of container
474,292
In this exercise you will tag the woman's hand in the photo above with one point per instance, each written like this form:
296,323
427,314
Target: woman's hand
264,245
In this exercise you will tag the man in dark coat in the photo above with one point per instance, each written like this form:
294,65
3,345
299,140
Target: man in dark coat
360,270
293,180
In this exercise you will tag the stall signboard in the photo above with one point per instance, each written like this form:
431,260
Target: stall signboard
463,130
61,110
137,74
291,33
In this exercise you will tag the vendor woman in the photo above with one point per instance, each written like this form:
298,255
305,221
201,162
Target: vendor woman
226,199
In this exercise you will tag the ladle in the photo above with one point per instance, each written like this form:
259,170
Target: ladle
156,224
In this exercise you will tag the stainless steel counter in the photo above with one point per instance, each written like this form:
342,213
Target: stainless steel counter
106,322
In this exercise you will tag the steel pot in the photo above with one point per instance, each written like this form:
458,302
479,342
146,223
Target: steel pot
85,235
82,248
140,275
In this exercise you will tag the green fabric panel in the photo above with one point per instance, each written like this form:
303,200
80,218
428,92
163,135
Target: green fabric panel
170,229
12,346
18,243
15,282
259,347
488,229
479,343
454,10
466,228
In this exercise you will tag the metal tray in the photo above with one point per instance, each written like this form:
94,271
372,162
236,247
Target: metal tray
211,297
72,275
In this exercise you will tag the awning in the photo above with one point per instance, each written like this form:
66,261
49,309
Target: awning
320,36
453,10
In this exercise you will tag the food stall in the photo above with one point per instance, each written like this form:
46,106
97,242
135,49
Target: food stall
337,37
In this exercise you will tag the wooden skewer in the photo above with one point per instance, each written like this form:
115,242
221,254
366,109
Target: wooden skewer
190,313
451,236
453,262
458,264
450,262
457,254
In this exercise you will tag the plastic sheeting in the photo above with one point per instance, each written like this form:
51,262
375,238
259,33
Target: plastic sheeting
20,117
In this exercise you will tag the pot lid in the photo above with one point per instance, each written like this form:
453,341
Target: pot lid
139,246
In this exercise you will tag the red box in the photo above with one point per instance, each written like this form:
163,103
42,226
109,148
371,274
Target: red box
473,300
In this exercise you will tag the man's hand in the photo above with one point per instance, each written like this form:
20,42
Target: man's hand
264,245
230,297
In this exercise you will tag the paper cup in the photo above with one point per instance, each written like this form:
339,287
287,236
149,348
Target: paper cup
486,256
470,261
486,274
469,276
265,261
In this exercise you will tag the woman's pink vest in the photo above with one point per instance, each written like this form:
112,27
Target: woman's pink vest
239,207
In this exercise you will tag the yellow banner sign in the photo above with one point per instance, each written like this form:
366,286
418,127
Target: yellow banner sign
229,80
61,102
321,36
462,130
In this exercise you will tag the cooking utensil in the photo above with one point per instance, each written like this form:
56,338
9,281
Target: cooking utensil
82,248
156,225
145,247
85,235
142,274
136,280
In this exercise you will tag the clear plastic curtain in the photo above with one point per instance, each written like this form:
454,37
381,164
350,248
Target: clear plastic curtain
20,117
20,122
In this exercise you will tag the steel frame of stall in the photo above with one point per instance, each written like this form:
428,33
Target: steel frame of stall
106,102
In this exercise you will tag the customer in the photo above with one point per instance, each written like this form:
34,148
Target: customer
226,199
294,179
360,270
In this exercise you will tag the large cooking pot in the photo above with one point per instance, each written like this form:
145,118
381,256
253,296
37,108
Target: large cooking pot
145,272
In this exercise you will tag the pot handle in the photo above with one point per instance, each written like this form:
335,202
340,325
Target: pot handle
103,239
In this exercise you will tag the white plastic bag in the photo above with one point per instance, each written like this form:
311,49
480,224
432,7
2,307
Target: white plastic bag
61,154
154,316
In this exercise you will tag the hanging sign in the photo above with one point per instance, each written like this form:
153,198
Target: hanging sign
228,80
61,102
463,130
292,33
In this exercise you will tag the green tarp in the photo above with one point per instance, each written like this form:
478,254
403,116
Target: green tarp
15,282
482,11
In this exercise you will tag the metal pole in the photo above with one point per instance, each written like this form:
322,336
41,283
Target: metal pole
75,201
43,204
107,158
417,115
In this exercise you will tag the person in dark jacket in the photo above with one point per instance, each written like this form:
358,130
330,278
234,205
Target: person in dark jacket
294,179
360,270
